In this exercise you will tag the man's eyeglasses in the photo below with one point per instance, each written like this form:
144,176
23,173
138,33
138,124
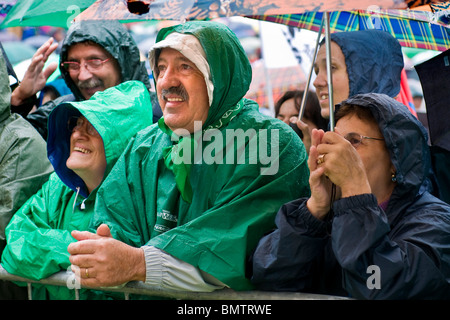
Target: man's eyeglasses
90,65
75,123
356,139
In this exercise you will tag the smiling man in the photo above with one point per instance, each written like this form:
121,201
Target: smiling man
94,56
189,225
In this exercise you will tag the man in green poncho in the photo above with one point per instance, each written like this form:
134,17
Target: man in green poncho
187,202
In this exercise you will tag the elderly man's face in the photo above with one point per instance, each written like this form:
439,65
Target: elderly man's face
90,79
181,91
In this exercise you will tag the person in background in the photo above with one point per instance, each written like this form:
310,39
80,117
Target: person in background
24,167
178,222
85,140
362,61
95,55
287,110
370,229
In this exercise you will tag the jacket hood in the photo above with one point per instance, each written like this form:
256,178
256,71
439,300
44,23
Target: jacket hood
374,61
5,91
117,113
406,140
230,83
114,38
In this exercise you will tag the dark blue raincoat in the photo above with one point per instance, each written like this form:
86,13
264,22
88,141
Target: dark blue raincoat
409,241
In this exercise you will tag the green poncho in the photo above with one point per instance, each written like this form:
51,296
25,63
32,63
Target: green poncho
234,198
39,233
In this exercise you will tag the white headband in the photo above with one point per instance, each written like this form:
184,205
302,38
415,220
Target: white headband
190,47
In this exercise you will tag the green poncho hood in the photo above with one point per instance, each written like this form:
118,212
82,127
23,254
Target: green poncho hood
115,39
226,101
117,113
226,51
233,201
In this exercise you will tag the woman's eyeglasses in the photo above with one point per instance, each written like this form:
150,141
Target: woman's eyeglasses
75,123
356,139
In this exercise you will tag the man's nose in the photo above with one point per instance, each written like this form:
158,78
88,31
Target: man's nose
169,78
84,73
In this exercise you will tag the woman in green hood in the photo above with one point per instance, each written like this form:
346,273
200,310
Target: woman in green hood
85,140
199,188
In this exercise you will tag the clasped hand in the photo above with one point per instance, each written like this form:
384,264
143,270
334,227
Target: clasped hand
102,261
332,159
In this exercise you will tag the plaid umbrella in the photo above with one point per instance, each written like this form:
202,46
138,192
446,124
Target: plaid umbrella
132,10
414,29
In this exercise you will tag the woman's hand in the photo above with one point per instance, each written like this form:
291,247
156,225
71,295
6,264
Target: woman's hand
343,165
319,202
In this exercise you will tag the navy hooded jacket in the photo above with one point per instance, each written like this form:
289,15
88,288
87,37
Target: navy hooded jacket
409,241
374,61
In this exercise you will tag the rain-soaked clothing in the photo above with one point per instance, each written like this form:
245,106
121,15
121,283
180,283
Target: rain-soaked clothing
24,166
217,225
39,233
407,242
116,40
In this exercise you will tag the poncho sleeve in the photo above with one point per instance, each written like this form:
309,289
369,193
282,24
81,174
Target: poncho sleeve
35,248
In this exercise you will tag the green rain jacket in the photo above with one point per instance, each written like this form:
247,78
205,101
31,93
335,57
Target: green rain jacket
24,166
232,205
39,233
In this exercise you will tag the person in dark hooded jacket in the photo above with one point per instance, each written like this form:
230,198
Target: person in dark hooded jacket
362,61
114,42
385,236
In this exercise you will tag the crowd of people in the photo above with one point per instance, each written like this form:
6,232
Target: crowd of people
191,188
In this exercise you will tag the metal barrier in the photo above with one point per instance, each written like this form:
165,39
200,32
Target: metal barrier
67,279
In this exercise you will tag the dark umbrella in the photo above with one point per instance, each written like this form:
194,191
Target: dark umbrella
434,75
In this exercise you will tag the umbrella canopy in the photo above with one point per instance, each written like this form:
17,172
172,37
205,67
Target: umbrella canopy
414,29
211,9
35,13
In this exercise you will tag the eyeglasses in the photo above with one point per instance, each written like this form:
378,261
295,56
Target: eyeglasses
356,139
90,65
75,123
